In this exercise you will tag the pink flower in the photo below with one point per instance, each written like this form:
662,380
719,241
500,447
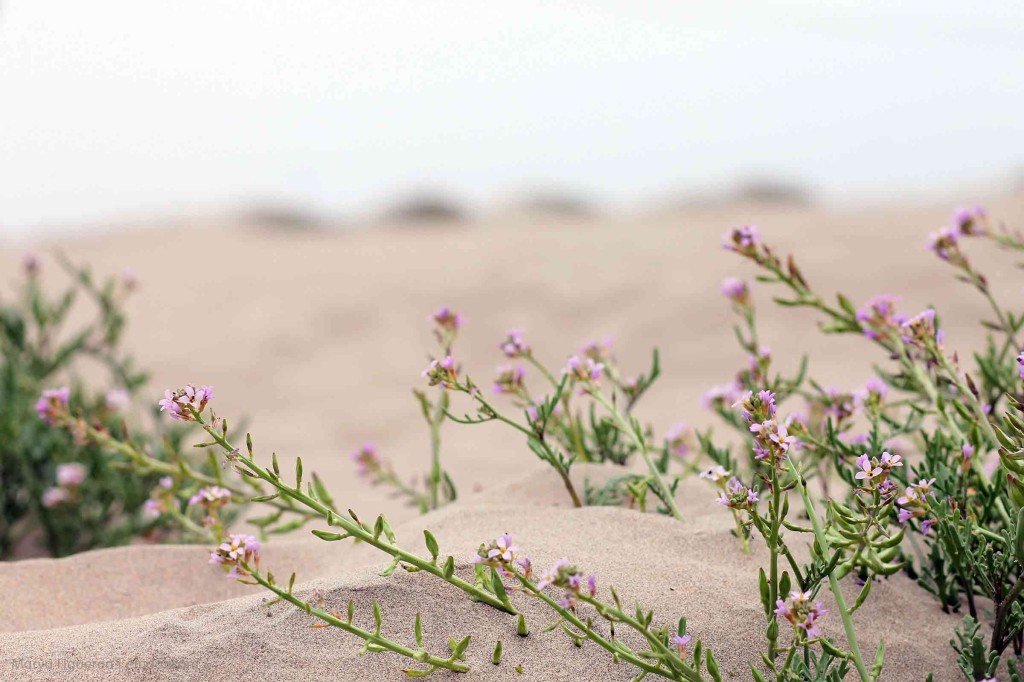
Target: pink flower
715,474
129,279
509,380
153,508
367,461
53,497
680,642
503,549
31,263
868,469
585,370
117,398
211,498
236,550
447,319
184,403
70,475
53,403
442,373
736,290
514,346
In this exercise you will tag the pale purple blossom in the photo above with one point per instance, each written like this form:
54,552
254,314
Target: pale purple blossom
235,550
585,370
117,398
182,403
52,403
680,642
736,290
31,263
514,346
211,497
509,380
743,239
54,497
70,475
442,373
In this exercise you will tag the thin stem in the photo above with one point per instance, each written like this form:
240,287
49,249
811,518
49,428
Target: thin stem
370,637
641,443
352,527
833,582
620,651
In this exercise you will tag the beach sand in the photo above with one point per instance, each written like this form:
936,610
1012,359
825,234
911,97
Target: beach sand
317,339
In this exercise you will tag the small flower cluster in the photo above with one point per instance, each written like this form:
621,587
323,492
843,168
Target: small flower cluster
879,318
771,439
514,346
874,472
69,477
585,370
510,380
679,440
211,498
743,240
871,398
598,350
161,499
920,331
368,462
499,554
566,576
837,404
721,396
184,403
53,404
737,291
915,504
236,550
442,373
448,323
735,495
945,243
972,221
801,613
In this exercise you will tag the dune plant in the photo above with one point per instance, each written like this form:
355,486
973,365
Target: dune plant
918,471
58,492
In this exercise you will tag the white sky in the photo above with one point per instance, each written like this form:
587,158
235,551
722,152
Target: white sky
132,107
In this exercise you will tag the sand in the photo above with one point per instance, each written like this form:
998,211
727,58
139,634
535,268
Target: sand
317,340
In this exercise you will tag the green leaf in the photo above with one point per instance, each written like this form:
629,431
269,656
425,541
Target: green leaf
417,629
431,545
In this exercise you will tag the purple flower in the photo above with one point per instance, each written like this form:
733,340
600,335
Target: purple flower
878,317
153,508
970,221
367,461
514,346
129,279
31,263
117,398
1020,363
70,475
680,642
503,549
510,380
926,526
236,550
742,240
54,497
718,397
871,397
211,498
736,290
715,474
182,403
585,370
592,585
868,469
677,439
442,373
944,243
53,403
447,319
598,350
799,611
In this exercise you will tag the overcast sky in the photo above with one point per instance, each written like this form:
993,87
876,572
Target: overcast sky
112,108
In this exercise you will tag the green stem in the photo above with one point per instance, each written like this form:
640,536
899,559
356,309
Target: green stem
352,527
618,650
641,443
822,541
374,638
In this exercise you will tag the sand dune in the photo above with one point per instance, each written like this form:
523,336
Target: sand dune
317,339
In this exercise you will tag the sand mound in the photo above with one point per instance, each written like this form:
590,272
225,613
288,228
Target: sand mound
694,569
